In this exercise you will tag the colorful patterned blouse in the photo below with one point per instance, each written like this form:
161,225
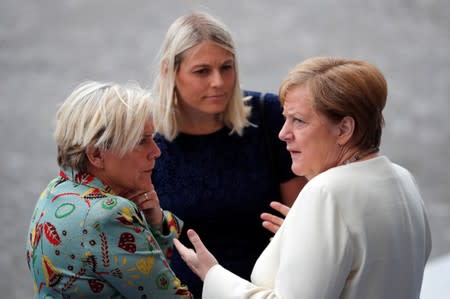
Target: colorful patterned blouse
85,242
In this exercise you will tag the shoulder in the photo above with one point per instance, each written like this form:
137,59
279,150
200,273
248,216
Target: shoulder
317,206
402,171
270,99
113,209
327,186
266,108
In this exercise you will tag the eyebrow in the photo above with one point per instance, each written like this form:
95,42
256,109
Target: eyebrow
231,60
285,112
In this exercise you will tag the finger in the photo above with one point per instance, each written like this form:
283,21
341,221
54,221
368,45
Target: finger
278,206
270,226
153,196
272,218
180,248
185,253
196,241
132,194
141,199
147,200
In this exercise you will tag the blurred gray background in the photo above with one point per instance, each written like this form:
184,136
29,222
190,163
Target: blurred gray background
48,47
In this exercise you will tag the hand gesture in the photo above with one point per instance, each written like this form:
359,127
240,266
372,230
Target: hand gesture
148,202
272,222
199,259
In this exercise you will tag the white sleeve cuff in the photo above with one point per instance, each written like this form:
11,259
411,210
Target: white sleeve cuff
222,284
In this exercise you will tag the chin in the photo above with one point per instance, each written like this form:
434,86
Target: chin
297,170
218,110
142,185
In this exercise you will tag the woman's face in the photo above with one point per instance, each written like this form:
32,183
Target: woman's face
310,137
205,79
132,171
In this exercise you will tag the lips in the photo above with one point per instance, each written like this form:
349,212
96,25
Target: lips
149,170
216,97
292,151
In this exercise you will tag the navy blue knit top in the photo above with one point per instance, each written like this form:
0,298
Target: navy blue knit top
219,184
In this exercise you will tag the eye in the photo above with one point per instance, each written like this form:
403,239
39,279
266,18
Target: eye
297,120
202,71
142,141
227,67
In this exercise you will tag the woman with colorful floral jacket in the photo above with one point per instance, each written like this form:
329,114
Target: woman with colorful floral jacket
98,229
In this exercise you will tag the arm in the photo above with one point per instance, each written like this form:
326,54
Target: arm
316,249
123,252
289,190
310,257
164,224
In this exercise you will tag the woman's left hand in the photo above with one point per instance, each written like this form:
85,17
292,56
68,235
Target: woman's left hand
272,222
199,259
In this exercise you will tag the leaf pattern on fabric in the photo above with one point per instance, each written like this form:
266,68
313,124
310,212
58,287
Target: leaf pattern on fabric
35,235
51,234
52,275
105,250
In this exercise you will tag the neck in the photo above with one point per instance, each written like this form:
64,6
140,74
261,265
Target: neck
362,155
101,175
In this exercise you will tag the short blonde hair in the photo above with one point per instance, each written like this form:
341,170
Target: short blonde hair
103,115
342,87
184,33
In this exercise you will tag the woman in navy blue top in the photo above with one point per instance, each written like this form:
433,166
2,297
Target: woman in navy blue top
222,162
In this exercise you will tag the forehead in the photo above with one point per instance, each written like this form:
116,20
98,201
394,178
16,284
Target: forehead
206,52
148,127
297,99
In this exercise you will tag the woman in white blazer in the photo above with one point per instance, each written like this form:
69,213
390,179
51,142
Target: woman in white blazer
358,228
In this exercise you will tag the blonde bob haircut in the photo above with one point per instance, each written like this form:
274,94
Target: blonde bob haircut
184,33
103,115
340,87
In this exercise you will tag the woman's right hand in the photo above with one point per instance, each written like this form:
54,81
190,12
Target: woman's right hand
272,222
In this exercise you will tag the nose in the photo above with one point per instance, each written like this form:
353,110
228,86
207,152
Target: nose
154,152
285,134
216,79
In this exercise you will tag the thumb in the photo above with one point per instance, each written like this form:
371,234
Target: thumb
180,247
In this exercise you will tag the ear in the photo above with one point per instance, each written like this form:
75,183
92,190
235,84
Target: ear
346,128
95,156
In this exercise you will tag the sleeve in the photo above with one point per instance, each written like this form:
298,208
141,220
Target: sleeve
275,120
222,284
123,252
171,228
312,249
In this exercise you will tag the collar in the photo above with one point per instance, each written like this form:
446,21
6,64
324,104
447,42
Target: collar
85,179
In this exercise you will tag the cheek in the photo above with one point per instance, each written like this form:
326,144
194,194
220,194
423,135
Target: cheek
302,140
231,80
189,92
130,167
